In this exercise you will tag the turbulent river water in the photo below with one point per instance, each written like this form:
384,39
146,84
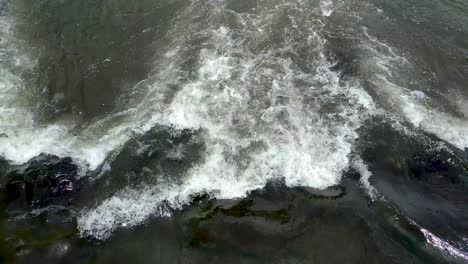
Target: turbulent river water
234,131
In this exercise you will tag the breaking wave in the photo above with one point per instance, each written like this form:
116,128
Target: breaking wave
266,100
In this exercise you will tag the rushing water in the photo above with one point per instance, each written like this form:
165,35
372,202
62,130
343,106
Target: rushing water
235,131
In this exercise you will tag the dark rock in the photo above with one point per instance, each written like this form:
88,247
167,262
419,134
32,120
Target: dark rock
43,181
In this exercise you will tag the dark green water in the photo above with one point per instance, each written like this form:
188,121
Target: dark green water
234,131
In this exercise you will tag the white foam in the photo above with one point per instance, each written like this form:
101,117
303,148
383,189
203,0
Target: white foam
327,7
19,140
129,207
257,124
415,106
262,115
361,167
22,138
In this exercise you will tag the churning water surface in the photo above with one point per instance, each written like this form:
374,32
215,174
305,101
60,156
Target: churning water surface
238,131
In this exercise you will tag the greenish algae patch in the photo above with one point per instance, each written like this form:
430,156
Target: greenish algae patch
244,209
21,235
199,235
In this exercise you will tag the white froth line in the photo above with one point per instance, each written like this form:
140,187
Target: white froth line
363,170
439,243
442,125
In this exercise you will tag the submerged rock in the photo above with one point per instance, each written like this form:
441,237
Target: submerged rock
199,235
43,181
331,193
35,204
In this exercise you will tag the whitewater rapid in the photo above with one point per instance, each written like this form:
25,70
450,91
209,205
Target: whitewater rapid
264,110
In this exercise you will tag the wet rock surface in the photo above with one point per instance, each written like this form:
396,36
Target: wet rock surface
36,200
43,181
